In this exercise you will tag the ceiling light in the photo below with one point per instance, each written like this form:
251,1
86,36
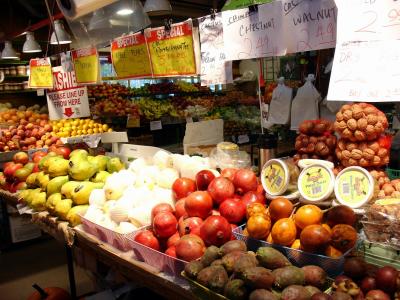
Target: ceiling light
31,45
8,51
62,35
157,7
125,12
135,20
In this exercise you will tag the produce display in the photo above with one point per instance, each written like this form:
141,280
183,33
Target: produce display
78,127
316,141
106,90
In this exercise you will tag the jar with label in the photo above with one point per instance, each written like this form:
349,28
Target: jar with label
279,178
316,182
354,187
21,71
13,71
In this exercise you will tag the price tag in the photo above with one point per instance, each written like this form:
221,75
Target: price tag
40,74
189,120
242,139
172,51
155,125
86,65
130,57
132,122
40,92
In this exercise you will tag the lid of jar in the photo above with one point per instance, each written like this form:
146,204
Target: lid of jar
275,177
354,187
303,163
316,182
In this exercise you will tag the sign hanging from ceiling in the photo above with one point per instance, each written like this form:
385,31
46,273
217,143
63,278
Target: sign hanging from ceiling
214,68
67,99
130,57
86,65
171,51
40,74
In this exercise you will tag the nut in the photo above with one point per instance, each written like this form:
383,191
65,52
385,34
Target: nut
382,119
345,162
372,119
376,161
347,134
358,112
310,148
353,162
341,145
347,115
359,135
313,139
379,127
374,146
370,110
351,146
342,125
356,154
386,160
352,124
364,163
362,124
382,152
368,154
346,107
362,146
339,116
370,130
346,154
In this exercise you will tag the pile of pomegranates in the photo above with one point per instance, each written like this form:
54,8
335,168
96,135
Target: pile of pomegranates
206,210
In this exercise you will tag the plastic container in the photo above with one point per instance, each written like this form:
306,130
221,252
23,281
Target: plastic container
303,163
115,239
393,174
279,176
316,183
354,187
332,266
160,261
380,255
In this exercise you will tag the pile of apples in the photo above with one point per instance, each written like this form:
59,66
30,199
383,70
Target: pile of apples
29,130
115,105
106,90
206,210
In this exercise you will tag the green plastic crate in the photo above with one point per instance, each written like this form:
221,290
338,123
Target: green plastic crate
393,173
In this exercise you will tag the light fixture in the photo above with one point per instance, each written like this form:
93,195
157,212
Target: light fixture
131,14
8,51
62,35
125,12
157,7
99,21
31,45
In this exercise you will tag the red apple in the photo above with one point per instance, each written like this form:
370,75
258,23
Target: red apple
21,158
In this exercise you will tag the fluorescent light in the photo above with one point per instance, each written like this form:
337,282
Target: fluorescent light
8,51
125,12
62,34
31,45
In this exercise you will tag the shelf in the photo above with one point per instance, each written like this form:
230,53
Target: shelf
17,92
16,77
11,62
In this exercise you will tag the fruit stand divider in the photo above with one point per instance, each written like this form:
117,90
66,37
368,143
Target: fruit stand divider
136,271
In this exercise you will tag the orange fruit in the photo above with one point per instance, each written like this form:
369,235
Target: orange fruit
308,215
327,227
258,226
284,232
255,209
280,208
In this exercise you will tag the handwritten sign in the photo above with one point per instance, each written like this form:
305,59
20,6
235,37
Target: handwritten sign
252,34
40,74
309,25
366,71
67,99
214,68
171,51
130,57
86,65
368,20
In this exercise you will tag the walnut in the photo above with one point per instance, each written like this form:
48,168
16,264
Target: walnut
339,116
346,154
364,163
322,149
358,112
363,105
359,135
346,107
370,129
351,146
313,139
342,125
347,134
347,115
386,160
370,110
362,146
376,161
356,154
362,124
368,154
310,148
379,127
341,145
352,124
382,118
382,153
374,146
372,119
345,162
353,162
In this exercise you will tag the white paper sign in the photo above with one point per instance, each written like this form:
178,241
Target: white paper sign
309,25
155,125
214,68
366,71
250,34
242,139
67,100
368,20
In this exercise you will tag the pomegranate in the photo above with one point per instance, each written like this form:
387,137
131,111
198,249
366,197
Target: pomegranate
182,187
368,284
189,225
164,224
245,180
190,247
216,231
229,173
171,251
198,204
161,207
220,189
252,197
180,208
173,239
386,279
147,238
233,211
377,295
203,179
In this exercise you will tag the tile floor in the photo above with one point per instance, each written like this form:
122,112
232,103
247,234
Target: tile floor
43,263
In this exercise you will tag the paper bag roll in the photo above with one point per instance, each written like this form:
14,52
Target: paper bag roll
73,9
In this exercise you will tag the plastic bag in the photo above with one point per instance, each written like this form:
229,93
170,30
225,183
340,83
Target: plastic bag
305,104
328,109
280,104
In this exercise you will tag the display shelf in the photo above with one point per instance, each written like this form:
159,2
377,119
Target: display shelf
6,62
17,92
180,94
16,77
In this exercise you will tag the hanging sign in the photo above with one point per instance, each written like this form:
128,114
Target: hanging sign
252,34
368,20
309,25
67,99
214,68
171,51
235,4
130,57
40,74
86,65
366,71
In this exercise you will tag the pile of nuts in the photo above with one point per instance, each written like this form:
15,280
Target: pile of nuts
360,127
316,140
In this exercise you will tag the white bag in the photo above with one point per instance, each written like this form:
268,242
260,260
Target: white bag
328,109
281,102
305,104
